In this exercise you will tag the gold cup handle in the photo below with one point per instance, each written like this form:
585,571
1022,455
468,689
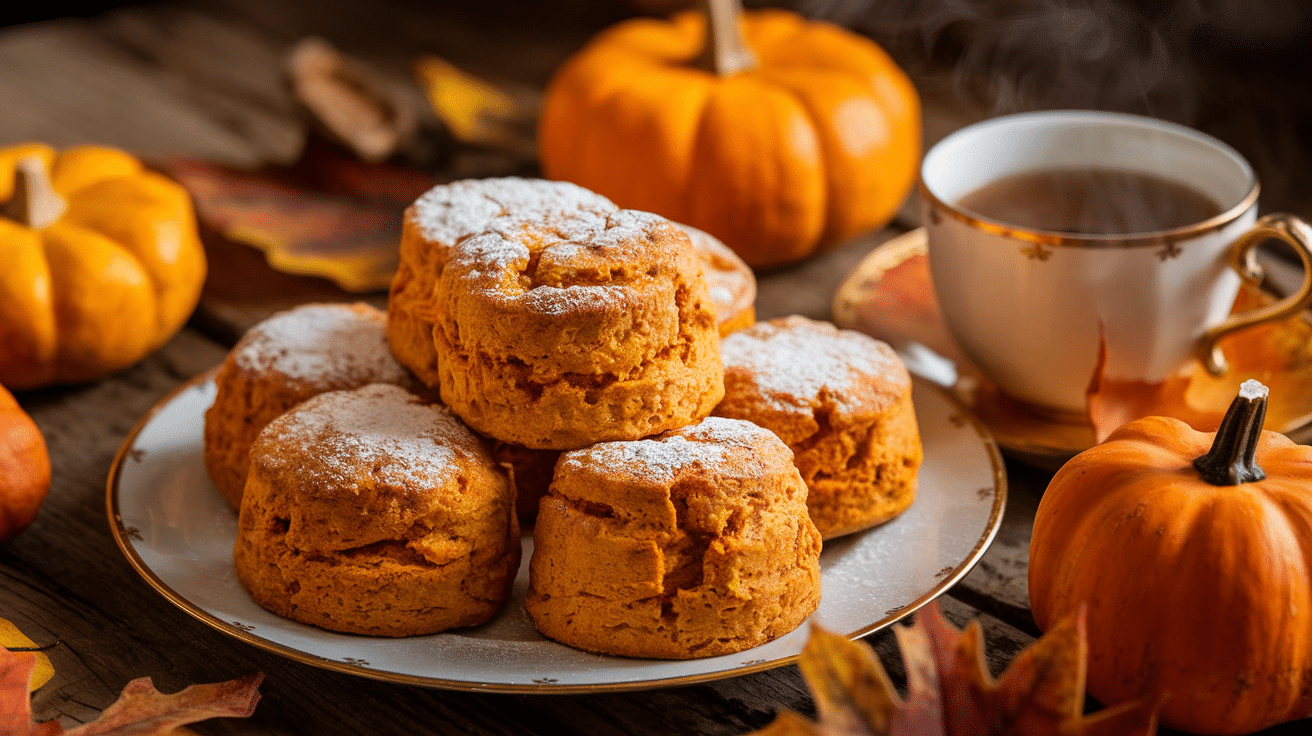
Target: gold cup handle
1242,257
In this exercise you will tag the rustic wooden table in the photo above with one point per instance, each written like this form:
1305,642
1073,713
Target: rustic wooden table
202,78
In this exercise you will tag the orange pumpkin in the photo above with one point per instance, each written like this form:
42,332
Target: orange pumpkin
100,263
1194,566
809,138
24,468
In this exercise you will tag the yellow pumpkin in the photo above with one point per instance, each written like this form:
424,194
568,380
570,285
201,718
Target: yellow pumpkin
816,141
1191,553
100,263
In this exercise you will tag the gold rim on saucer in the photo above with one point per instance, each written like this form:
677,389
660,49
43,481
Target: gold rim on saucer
890,296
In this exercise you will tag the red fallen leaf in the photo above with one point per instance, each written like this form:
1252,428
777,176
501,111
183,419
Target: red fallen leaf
15,697
140,710
328,215
950,691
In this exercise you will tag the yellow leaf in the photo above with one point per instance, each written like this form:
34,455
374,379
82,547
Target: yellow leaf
850,687
13,639
474,110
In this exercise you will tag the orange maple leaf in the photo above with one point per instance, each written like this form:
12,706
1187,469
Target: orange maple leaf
140,709
950,691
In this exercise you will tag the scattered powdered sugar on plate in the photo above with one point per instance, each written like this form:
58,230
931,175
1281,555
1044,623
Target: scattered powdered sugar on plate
794,358
707,445
327,344
378,426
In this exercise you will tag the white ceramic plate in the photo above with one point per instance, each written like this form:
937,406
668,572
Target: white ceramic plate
178,533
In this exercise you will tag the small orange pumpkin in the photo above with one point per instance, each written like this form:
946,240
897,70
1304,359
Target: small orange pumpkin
806,136
100,263
1192,555
24,468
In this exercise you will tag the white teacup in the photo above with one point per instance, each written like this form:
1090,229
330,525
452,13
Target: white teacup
1030,307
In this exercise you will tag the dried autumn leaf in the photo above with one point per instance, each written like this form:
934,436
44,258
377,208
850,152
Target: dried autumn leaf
15,691
950,691
13,640
350,100
1112,402
327,215
140,710
474,110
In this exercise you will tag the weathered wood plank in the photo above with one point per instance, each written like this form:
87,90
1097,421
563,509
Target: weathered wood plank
227,69
64,84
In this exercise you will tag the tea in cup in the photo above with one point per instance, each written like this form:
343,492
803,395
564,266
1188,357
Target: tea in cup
1055,234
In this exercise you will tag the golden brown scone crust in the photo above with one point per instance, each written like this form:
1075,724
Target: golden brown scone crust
434,224
279,363
564,332
692,544
730,282
841,400
375,512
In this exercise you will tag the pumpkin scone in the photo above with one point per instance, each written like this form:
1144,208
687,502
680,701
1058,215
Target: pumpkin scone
730,282
841,400
560,332
695,543
440,219
282,361
373,511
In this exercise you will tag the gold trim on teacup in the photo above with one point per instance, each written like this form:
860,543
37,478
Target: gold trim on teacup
1042,239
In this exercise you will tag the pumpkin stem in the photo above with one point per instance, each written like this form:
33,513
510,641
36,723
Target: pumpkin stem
34,202
1232,459
725,52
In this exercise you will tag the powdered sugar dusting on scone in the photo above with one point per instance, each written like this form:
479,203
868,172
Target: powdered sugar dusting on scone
401,437
322,344
793,359
449,212
564,263
706,445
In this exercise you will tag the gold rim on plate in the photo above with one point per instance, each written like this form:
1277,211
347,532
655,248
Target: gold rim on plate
127,537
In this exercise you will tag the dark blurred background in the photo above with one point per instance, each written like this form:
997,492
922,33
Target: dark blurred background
1241,71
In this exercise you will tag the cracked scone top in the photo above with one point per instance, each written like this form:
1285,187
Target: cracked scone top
692,544
435,223
282,361
841,400
373,511
560,332
442,217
